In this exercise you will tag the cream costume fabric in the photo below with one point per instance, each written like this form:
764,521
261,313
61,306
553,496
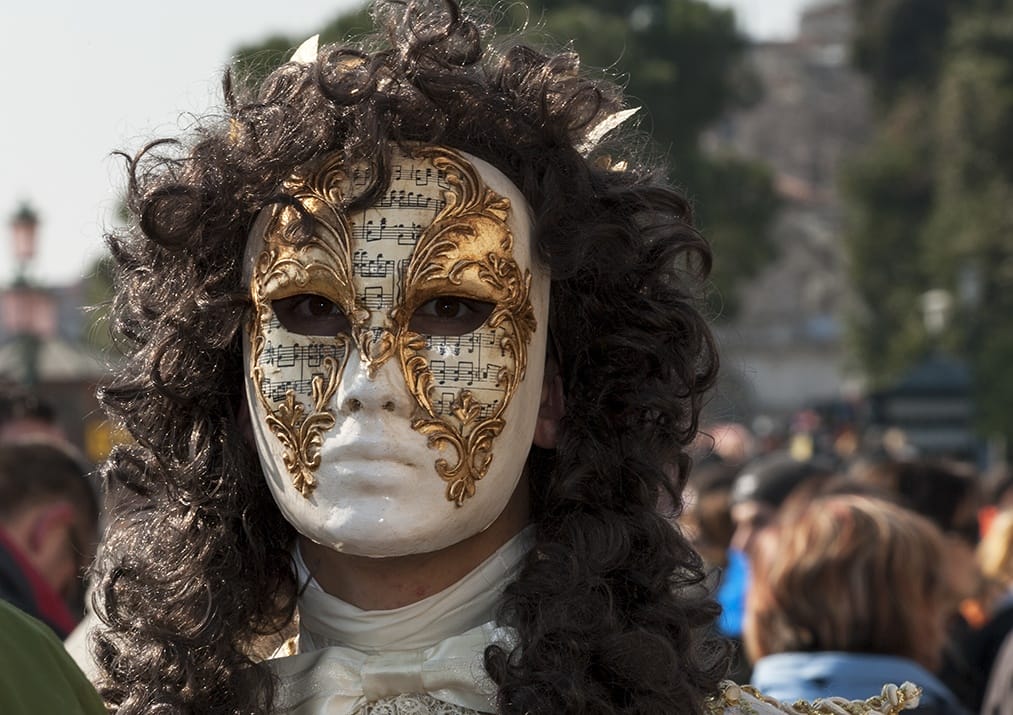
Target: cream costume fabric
423,658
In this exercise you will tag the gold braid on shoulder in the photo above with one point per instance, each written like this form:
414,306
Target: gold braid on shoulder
732,698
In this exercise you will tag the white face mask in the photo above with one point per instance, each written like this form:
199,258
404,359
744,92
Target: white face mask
395,355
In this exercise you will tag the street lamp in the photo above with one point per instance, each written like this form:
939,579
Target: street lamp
24,226
26,312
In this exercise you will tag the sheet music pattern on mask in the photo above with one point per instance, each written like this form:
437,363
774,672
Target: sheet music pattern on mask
383,238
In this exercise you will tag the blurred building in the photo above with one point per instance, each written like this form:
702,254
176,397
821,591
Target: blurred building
785,348
48,372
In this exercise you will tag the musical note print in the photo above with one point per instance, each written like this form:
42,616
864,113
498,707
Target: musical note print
384,238
292,365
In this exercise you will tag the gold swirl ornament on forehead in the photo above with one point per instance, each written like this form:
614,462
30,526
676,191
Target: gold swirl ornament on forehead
467,249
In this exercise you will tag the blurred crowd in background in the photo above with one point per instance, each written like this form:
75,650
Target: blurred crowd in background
843,567
839,566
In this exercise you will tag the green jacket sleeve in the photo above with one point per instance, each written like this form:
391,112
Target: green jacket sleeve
36,673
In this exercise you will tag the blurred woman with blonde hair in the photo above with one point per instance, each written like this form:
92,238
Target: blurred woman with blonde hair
848,593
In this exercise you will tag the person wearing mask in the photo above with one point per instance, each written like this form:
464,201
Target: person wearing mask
412,352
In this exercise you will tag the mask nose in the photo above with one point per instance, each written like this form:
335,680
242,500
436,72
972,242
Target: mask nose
383,391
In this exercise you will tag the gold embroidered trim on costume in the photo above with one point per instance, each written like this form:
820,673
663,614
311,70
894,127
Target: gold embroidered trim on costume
747,699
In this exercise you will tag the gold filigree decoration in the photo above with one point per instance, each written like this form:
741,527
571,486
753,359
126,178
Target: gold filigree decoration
301,434
376,346
472,441
469,234
308,240
733,698
308,249
295,260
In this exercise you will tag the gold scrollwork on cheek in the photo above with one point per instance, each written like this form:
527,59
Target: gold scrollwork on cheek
289,262
469,236
301,434
417,373
472,442
471,430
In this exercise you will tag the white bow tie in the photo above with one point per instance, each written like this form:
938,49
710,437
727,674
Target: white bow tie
340,680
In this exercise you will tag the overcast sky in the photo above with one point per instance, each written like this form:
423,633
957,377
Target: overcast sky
81,79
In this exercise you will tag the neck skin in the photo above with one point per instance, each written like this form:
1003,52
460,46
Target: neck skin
386,583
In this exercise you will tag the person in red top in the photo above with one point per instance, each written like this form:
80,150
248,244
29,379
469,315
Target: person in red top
48,527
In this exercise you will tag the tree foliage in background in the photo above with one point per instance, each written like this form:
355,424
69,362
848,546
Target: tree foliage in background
254,62
681,61
99,289
932,197
98,296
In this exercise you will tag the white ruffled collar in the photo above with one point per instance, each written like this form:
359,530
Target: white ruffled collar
325,620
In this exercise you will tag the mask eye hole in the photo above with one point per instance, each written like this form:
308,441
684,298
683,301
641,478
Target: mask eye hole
450,315
310,314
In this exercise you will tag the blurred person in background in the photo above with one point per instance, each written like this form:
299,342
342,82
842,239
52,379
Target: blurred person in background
845,594
729,442
48,529
995,559
23,416
719,452
997,484
950,496
743,507
706,520
706,515
760,489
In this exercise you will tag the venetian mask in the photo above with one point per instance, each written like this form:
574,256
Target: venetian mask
395,354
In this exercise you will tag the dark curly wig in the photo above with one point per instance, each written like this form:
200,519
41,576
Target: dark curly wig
196,575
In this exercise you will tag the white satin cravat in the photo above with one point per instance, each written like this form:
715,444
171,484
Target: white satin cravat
349,657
